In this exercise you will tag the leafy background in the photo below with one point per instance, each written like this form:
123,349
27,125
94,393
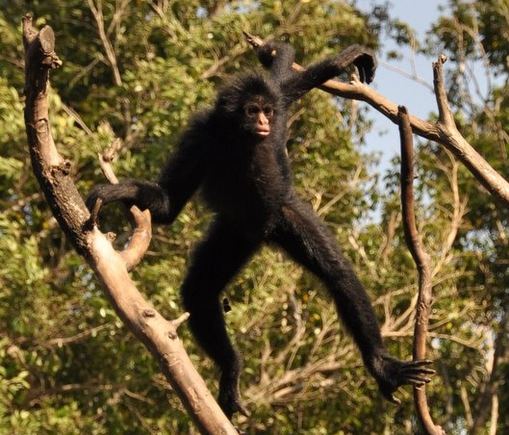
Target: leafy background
67,365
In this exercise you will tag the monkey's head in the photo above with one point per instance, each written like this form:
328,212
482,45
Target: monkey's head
251,103
258,115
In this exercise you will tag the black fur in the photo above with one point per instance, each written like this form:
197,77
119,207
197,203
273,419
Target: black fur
246,180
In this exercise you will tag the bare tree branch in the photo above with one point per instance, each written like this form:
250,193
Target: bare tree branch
142,235
97,12
422,262
443,132
111,267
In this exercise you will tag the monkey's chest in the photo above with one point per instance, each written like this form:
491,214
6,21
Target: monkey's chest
247,187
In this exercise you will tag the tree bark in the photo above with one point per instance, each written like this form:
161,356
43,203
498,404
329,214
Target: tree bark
111,267
444,131
422,261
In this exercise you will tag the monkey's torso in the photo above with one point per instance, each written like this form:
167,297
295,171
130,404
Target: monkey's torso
247,181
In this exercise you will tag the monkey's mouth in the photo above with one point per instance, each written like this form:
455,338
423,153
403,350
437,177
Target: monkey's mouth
262,132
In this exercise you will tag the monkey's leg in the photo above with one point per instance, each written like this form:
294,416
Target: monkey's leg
215,262
308,242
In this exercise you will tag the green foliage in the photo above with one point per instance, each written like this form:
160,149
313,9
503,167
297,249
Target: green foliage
67,365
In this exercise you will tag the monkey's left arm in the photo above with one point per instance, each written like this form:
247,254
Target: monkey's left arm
298,84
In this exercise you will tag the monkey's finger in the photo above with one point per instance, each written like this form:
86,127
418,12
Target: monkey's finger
419,363
417,374
370,75
417,380
364,74
418,370
421,376
93,202
417,367
360,72
90,201
418,385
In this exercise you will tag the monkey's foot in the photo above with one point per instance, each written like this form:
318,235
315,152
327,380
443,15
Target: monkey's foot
230,403
391,373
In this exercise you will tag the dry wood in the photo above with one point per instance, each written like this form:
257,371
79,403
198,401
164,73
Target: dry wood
111,267
422,261
444,131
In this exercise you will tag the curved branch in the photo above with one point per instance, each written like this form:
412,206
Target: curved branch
52,171
443,132
142,234
422,262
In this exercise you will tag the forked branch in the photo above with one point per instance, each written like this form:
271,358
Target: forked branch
111,267
142,233
444,131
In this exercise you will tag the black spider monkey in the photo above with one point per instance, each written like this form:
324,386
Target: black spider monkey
235,153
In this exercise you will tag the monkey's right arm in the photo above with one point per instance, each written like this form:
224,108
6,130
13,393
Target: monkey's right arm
179,179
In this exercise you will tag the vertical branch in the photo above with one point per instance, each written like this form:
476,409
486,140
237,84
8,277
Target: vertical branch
489,398
422,262
445,116
97,12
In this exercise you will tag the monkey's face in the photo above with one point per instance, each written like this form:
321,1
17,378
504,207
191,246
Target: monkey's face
258,116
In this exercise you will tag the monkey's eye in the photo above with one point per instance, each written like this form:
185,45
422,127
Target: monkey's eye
252,110
268,111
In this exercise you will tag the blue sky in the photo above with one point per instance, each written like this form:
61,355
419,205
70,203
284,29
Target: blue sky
419,100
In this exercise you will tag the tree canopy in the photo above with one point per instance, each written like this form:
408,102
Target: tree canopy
137,70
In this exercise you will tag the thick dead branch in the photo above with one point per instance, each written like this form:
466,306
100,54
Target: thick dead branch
422,262
443,132
53,173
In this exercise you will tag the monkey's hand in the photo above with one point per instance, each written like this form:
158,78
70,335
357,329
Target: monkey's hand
391,373
363,58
